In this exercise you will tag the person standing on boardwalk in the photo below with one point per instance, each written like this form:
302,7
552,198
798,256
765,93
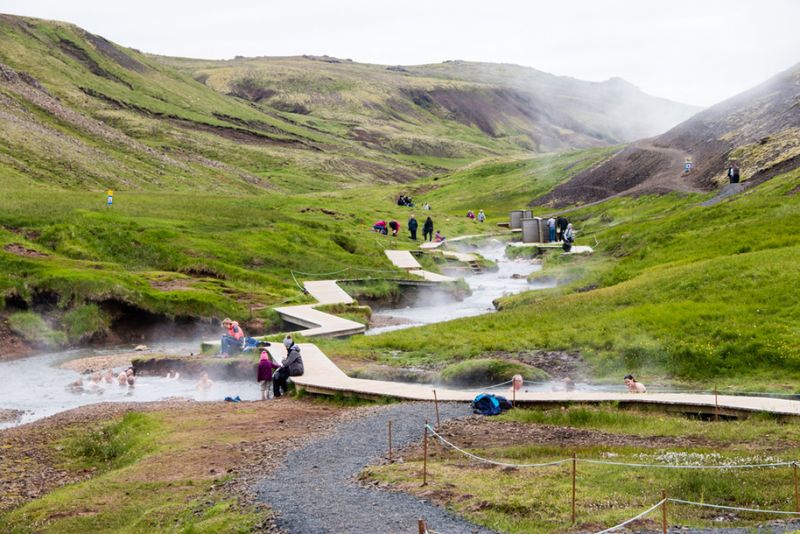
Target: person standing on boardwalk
264,373
551,225
427,229
412,227
569,238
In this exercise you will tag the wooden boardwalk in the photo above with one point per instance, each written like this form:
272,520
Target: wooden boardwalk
322,376
404,260
576,249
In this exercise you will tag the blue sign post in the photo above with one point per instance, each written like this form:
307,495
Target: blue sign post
110,200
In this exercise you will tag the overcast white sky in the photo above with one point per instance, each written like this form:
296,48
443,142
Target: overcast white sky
697,52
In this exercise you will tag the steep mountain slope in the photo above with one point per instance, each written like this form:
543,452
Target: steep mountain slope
759,129
403,108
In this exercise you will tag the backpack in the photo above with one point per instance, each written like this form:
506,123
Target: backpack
505,404
485,404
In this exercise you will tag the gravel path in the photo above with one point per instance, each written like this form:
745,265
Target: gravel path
316,491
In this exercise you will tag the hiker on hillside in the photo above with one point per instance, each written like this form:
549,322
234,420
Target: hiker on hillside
733,173
551,225
395,226
426,207
470,215
292,366
231,342
427,229
380,227
481,216
569,238
633,385
401,200
264,373
412,227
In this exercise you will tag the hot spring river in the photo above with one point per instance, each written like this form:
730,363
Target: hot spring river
36,386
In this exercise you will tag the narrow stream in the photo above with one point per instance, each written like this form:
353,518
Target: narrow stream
436,306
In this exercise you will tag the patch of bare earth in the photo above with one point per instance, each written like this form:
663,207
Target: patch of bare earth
205,441
9,415
179,284
11,345
98,363
19,250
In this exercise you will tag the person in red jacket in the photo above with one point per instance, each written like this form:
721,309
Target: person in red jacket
231,341
264,373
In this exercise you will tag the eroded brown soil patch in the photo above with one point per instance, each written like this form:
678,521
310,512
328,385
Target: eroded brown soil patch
19,250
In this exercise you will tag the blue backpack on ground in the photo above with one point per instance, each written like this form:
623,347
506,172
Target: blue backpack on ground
485,404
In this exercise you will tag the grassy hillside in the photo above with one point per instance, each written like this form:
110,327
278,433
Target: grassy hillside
676,291
449,110
758,130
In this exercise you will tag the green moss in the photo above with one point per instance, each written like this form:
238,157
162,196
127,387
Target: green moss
32,328
85,322
487,371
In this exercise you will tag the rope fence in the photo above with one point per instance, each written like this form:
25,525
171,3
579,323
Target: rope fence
608,462
662,504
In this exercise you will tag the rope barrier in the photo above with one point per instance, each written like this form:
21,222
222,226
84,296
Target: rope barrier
605,462
488,461
632,519
498,385
677,466
737,508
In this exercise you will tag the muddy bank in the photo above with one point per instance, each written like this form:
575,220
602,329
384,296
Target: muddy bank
556,363
9,415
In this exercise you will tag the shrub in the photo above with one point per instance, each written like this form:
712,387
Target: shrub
86,322
32,328
487,371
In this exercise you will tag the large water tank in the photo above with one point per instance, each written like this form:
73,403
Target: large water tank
530,230
516,219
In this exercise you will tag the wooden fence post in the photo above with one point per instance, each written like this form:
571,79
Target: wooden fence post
664,512
390,441
423,528
716,405
574,469
796,493
436,405
425,456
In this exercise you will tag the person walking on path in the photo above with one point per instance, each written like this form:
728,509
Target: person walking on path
551,224
264,373
481,216
291,366
733,173
427,230
412,227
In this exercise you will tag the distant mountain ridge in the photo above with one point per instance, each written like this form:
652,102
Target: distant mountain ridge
758,129
79,111
533,110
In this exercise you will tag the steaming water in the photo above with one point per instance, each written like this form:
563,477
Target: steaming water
435,306
36,386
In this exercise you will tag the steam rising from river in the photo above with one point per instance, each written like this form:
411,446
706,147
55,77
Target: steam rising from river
433,306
